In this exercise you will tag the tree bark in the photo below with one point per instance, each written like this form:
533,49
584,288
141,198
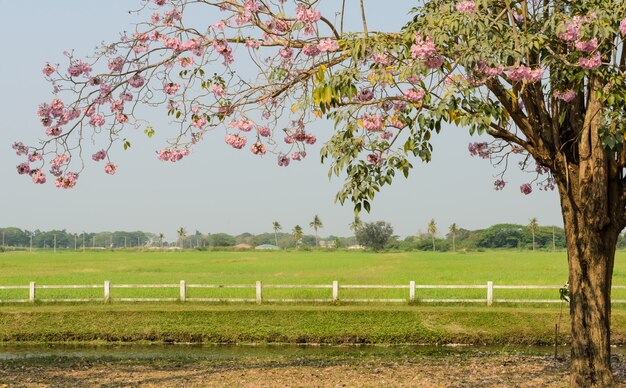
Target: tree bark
592,207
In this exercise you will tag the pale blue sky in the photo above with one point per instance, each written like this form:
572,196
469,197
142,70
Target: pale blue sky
218,188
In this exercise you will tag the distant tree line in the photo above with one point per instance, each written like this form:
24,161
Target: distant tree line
375,236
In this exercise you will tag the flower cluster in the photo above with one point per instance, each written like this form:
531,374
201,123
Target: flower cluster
499,184
283,160
67,181
425,50
479,149
414,95
110,168
468,7
591,62
244,125
372,122
526,188
526,74
567,95
98,156
172,155
328,45
622,27
258,148
236,140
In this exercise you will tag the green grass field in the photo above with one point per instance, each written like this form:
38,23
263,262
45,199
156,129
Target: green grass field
288,323
290,267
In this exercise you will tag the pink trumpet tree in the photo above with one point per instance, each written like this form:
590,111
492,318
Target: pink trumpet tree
543,79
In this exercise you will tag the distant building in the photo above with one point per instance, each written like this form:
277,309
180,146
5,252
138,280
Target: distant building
267,246
328,243
243,246
356,247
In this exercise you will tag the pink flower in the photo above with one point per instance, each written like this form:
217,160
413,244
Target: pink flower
414,95
53,131
310,50
23,168
372,122
307,15
264,131
423,49
258,148
587,46
328,45
170,88
96,121
199,121
523,73
375,158
526,188
365,95
566,96
468,7
499,184
590,63
253,44
218,90
185,61
66,182
219,26
479,149
121,118
236,141
382,59
160,2
34,157
283,160
285,52
116,64
38,176
48,70
110,168
78,69
98,156
20,149
126,96
117,106
172,155
483,70
136,81
298,155
622,27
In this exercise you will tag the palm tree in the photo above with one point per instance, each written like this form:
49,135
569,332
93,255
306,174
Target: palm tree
161,236
316,224
533,226
356,225
453,231
297,234
432,229
182,233
277,227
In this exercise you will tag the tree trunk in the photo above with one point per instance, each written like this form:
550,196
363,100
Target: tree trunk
592,219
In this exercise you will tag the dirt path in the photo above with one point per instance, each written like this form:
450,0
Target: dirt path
446,371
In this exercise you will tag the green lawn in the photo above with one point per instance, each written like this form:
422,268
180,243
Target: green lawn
290,267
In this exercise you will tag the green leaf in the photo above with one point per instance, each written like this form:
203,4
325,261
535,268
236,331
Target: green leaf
149,131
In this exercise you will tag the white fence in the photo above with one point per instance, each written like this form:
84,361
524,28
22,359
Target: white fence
412,288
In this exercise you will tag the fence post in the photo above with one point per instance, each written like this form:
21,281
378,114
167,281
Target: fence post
31,293
335,291
259,292
489,293
411,291
107,291
183,291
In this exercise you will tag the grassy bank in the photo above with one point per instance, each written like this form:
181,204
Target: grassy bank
288,324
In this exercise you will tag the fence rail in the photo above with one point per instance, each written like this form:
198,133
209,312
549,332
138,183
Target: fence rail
258,298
